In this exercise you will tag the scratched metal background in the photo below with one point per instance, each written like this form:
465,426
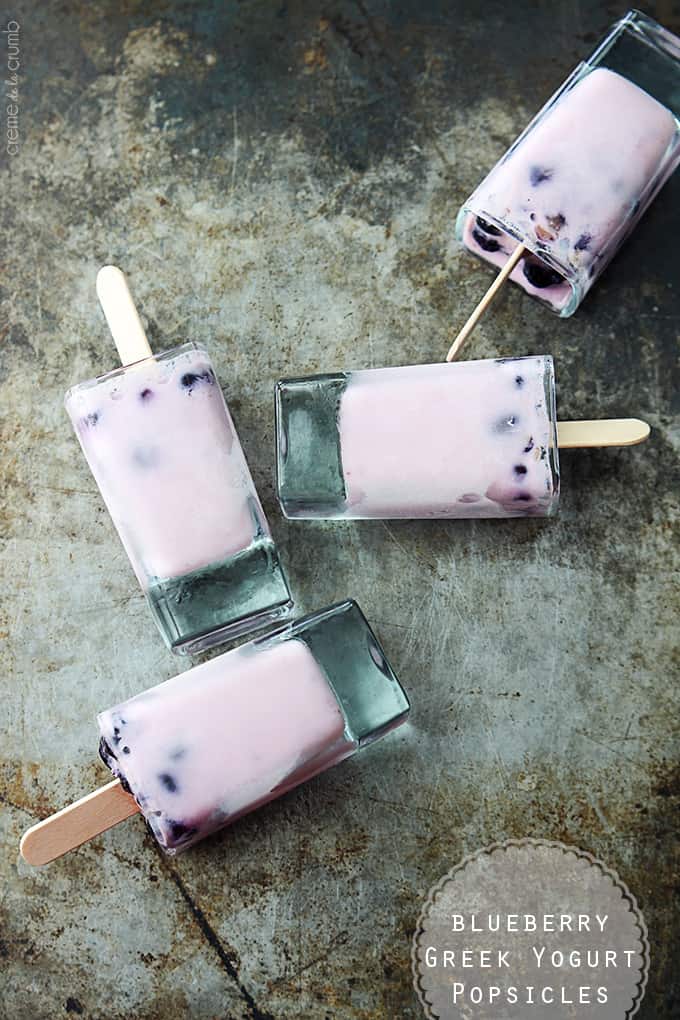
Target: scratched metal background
280,182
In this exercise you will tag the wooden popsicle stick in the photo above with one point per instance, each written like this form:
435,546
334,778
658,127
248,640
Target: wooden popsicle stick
606,432
485,302
122,316
77,823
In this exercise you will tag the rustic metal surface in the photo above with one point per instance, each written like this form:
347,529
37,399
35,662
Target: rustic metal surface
280,182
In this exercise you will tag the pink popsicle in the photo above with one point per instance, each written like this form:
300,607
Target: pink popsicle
199,750
573,187
465,440
163,449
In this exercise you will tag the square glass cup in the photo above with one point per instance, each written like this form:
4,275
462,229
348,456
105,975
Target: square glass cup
575,183
219,740
462,440
162,447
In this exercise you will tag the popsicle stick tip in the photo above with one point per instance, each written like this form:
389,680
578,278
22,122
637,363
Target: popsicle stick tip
108,274
643,428
30,851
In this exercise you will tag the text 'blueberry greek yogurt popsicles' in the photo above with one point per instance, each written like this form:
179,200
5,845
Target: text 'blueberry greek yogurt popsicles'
471,439
160,442
558,205
202,749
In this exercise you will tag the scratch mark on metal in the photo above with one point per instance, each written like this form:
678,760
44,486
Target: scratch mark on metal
211,937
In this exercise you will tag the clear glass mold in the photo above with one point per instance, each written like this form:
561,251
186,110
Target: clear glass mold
162,447
469,439
219,740
575,183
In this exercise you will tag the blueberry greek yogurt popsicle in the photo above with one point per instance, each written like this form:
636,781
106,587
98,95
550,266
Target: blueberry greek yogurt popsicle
576,182
471,439
211,744
474,439
161,444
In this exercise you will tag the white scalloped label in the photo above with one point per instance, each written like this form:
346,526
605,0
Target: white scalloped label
530,928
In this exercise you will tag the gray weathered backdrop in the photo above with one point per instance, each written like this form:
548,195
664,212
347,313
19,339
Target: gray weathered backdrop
280,182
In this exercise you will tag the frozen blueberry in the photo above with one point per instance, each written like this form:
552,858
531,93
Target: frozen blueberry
487,227
520,469
146,456
168,781
519,381
105,752
583,242
539,275
109,758
538,174
146,394
506,423
484,242
125,749
181,832
191,379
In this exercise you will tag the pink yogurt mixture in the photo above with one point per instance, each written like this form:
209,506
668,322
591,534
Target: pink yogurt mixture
575,185
219,740
163,449
470,439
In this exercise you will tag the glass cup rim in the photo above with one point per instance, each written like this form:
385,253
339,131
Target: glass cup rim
643,27
114,373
